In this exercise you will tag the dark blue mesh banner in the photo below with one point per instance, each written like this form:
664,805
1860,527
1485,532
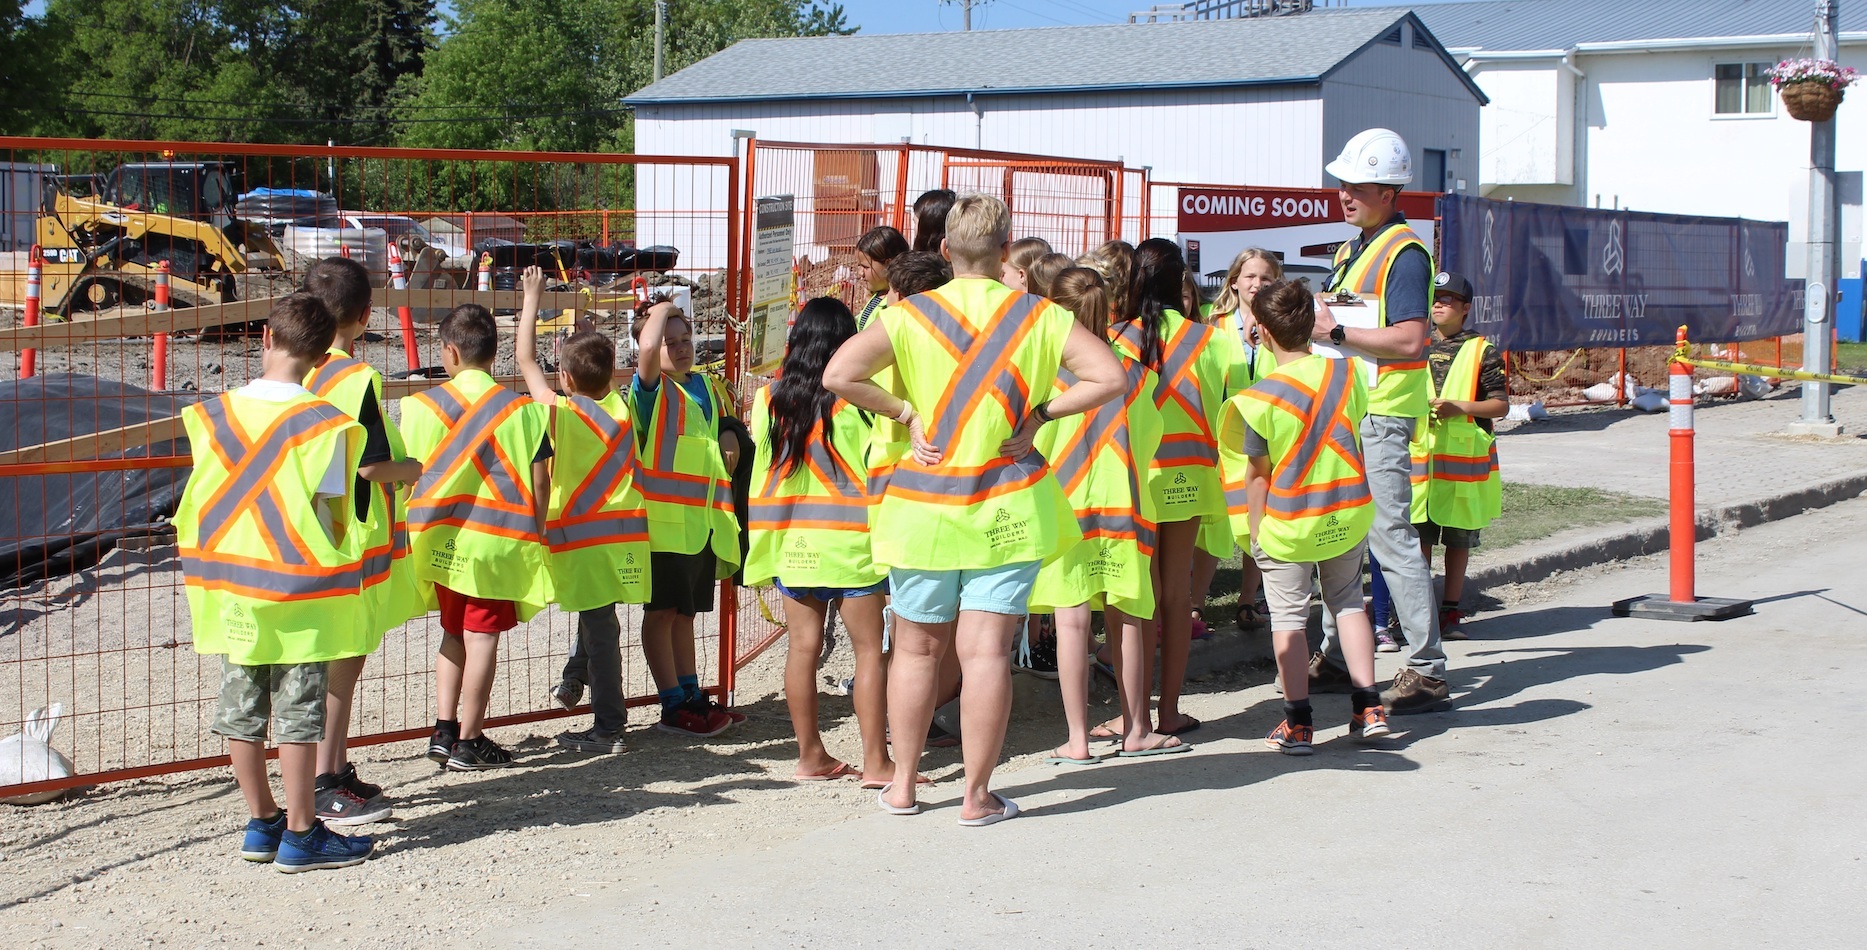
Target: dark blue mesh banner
1551,277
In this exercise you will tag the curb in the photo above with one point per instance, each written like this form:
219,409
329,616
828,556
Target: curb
1652,535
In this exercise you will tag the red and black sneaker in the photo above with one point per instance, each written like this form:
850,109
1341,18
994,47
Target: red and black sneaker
736,716
1291,740
696,719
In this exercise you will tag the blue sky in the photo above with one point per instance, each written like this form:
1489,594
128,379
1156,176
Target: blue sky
923,16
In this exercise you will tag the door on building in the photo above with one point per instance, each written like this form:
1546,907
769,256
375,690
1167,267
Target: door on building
1433,170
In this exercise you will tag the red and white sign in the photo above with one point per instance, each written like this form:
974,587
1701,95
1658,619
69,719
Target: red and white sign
1302,226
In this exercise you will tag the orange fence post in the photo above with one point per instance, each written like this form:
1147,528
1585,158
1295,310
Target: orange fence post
399,280
1682,601
35,276
1620,392
159,357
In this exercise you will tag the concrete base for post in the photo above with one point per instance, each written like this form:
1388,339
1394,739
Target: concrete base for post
1660,607
1826,430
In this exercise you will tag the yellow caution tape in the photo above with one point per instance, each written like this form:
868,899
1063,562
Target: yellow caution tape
1682,355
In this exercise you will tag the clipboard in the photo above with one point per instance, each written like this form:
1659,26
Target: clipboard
1351,311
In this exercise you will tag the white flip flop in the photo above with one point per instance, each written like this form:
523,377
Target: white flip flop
881,798
1010,812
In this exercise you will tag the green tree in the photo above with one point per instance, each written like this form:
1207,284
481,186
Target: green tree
20,43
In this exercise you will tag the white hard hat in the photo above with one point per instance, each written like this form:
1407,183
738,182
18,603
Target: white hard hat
1374,157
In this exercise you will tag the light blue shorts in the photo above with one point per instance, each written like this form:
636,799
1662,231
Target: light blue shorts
939,596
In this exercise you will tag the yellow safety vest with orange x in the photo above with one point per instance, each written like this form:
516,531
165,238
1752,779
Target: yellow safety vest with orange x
973,358
596,524
1362,267
810,524
273,573
472,520
1184,473
1455,474
1309,414
684,479
389,588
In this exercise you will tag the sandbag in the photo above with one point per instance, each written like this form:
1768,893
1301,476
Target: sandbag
29,757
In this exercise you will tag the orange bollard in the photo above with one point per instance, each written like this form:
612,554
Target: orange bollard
35,277
399,281
1682,601
485,279
159,359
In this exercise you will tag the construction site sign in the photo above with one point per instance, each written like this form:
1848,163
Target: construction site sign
774,284
1302,226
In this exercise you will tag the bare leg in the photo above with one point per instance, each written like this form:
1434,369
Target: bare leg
1205,566
862,617
1134,671
1172,562
949,676
1250,579
1073,678
803,628
476,686
913,687
341,687
984,645
298,763
249,770
1292,647
1357,635
681,641
658,647
448,670
1457,559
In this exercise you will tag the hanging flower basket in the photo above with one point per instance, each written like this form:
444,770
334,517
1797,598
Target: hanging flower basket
1811,88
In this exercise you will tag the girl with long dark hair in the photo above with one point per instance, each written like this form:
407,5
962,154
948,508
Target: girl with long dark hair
809,534
1184,474
930,211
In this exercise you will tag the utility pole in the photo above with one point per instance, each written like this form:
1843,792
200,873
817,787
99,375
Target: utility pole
966,9
1824,271
661,33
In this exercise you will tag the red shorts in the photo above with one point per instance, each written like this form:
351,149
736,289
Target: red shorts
460,613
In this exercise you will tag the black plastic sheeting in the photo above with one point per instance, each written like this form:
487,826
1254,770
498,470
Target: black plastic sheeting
53,525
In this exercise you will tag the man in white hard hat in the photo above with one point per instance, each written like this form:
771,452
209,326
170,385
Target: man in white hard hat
1389,269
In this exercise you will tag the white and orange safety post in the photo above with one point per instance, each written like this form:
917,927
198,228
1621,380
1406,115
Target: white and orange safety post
159,355
485,279
399,280
1681,602
35,279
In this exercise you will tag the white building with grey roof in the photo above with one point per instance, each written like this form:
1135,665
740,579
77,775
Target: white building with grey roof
1264,101
1660,105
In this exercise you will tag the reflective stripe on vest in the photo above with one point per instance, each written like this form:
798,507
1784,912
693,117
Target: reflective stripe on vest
1179,384
1459,487
585,521
658,479
1399,383
844,506
509,512
291,574
983,366
1325,424
324,381
1104,429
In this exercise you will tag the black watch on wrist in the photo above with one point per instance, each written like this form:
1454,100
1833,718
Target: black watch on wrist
1042,412
1337,335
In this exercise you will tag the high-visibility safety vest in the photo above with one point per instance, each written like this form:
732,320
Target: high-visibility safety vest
1098,459
273,575
810,528
1246,360
888,441
596,525
1362,267
684,480
869,310
472,523
1455,476
974,357
1309,412
1184,473
389,589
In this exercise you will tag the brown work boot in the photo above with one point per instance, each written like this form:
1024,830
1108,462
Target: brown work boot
1326,677
1413,693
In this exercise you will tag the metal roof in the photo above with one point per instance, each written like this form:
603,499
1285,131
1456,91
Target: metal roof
1258,51
1500,25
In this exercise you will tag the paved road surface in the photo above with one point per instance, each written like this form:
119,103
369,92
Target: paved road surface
1602,783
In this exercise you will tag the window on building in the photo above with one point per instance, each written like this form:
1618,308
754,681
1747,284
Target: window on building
1742,88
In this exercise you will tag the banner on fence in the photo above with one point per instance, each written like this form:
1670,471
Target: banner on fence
1302,226
774,241
1551,277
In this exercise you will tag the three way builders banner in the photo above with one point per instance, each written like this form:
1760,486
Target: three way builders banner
1550,277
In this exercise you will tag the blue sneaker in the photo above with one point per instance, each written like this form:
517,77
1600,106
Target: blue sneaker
320,848
261,843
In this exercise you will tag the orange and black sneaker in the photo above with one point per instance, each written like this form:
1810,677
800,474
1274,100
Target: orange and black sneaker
1291,740
1370,723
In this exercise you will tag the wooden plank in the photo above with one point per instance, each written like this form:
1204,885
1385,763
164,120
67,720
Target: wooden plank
140,323
97,444
397,388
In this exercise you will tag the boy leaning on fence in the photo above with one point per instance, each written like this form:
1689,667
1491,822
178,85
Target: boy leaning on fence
1456,490
272,553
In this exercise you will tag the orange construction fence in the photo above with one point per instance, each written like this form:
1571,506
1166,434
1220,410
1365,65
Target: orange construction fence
92,455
